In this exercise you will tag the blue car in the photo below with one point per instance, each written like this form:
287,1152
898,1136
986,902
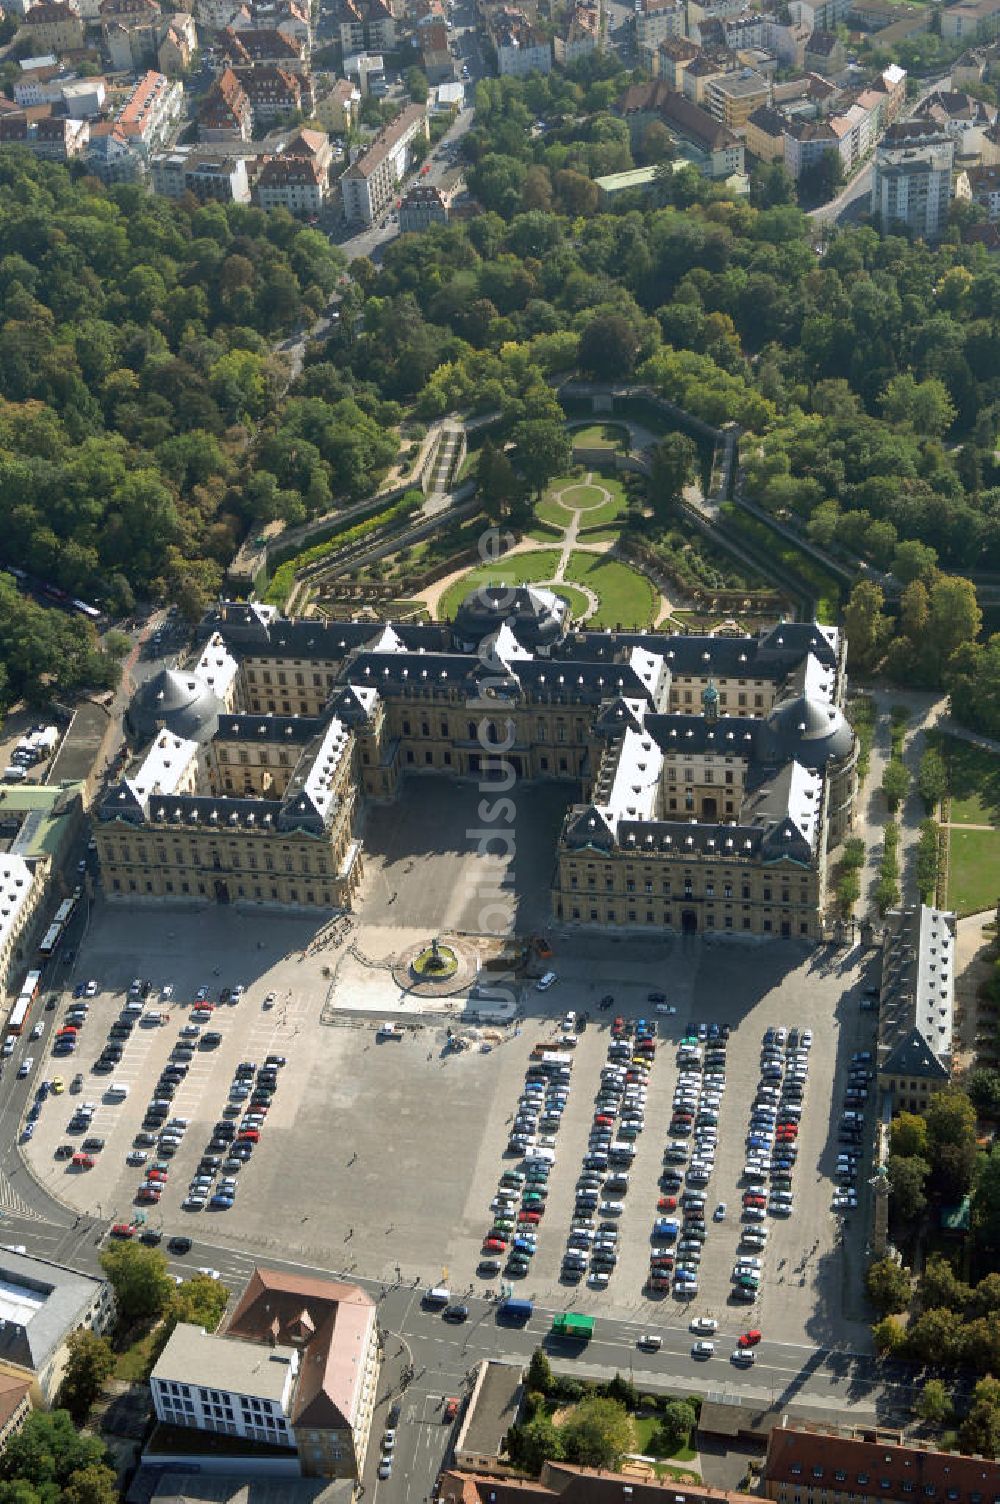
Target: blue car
524,1245
221,1203
42,1091
685,1277
663,1228
34,1112
26,1132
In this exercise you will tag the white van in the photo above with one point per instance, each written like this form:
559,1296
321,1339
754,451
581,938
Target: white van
544,983
154,1016
116,1092
540,1157
14,774
438,1295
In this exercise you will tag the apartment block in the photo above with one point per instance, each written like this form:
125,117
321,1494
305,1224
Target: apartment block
976,22
150,113
520,49
912,185
657,20
210,176
55,26
765,134
369,183
52,139
984,190
916,1005
338,109
365,26
733,98
226,113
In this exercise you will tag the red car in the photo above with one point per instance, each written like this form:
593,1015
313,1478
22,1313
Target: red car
123,1230
666,1204
751,1198
494,1245
749,1339
788,1132
662,1261
604,1119
145,1195
68,1033
532,1219
659,1282
618,1027
156,1175
248,1135
450,1409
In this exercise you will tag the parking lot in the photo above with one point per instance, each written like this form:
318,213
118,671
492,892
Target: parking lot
384,1156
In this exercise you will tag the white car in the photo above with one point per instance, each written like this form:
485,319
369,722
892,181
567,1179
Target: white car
545,982
210,1273
719,1215
650,1342
612,1208
743,1357
667,1008
39,1029
269,1000
703,1350
91,989
8,1047
24,1067
702,1324
167,992
569,1023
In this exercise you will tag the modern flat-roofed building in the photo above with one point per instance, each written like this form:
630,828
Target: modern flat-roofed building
912,185
733,98
210,175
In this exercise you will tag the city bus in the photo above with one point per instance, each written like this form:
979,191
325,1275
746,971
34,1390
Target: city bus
18,1014
50,940
32,983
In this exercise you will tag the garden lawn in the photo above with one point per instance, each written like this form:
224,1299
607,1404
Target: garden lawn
626,596
600,436
973,870
581,497
578,602
519,569
974,780
133,1365
549,510
646,1427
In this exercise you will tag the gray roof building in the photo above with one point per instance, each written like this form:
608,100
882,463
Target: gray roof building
41,1304
916,1003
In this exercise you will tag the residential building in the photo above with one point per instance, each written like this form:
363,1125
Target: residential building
295,1369
51,138
369,70
719,152
826,1465
698,74
111,156
580,35
892,84
216,176
41,83
656,21
765,134
426,205
226,114
41,1305
976,22
15,1406
916,1005
984,190
520,49
129,30
733,98
151,112
274,91
912,185
252,45
365,26
369,184
338,109
84,98
55,26
971,68
564,1483
806,144
823,15
672,58
178,43
962,117
22,885
292,183
825,52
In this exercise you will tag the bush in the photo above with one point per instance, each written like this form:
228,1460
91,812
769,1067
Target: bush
284,576
675,1428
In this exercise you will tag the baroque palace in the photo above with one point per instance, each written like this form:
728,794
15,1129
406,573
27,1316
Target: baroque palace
717,772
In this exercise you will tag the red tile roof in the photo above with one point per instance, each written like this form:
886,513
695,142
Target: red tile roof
802,1457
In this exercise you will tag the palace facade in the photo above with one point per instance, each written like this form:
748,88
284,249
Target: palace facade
717,772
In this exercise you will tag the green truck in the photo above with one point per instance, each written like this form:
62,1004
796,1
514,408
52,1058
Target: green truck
568,1324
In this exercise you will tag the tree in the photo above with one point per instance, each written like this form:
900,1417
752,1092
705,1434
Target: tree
672,467
95,1484
933,1404
980,1430
888,1285
624,1391
983,1087
499,488
935,1337
91,1362
48,1449
914,560
608,348
597,1433
951,1119
539,1375
537,1442
908,1177
865,624
924,406
417,86
199,1301
143,1287
955,619
676,1425
986,1202
888,1335
973,679
895,782
940,1287
908,1136
542,449
932,779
